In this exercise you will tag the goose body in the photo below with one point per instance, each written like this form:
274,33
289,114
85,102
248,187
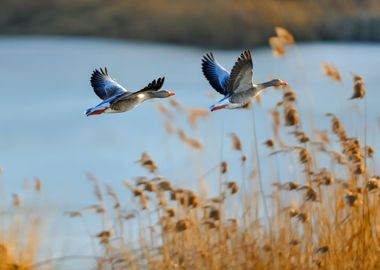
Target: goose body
237,86
116,98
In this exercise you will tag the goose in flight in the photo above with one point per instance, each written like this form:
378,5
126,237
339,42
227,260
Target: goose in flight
116,98
236,87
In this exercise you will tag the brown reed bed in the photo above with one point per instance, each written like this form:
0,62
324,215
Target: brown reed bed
325,218
20,233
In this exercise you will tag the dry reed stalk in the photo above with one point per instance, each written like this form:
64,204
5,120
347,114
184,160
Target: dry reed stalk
359,88
331,71
236,142
193,143
147,162
269,143
165,112
285,35
280,42
194,114
278,46
314,225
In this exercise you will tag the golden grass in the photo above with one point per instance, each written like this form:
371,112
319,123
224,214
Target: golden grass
20,234
327,219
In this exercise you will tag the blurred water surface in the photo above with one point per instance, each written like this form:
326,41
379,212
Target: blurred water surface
45,89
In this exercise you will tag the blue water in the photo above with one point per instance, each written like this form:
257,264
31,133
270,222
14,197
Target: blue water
45,89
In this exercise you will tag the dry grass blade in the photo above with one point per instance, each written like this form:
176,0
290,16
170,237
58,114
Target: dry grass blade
352,198
291,116
104,237
322,136
278,46
175,104
210,224
171,212
359,88
95,208
337,127
165,112
311,195
193,143
236,143
214,213
223,167
193,200
73,214
16,200
301,136
193,115
165,186
303,217
138,192
269,143
95,182
276,121
183,225
279,43
304,156
287,186
322,250
370,151
285,35
331,71
289,95
233,187
169,127
373,183
147,162
37,184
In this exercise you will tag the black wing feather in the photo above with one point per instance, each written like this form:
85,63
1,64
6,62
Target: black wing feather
155,85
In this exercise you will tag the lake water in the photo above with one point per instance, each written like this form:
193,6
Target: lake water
45,90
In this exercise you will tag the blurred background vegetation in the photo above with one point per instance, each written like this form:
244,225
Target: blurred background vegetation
212,23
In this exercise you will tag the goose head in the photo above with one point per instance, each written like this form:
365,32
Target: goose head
278,82
275,83
162,94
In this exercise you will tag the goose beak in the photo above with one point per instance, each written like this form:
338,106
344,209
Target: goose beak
171,93
283,83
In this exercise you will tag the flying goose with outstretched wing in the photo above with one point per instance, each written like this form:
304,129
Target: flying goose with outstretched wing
116,98
237,87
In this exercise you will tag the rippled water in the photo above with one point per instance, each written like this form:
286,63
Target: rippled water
45,89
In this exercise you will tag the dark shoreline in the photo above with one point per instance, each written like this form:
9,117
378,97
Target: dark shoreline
215,24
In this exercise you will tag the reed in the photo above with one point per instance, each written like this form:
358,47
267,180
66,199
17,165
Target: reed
326,217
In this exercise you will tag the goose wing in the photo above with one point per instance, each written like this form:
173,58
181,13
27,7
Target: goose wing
241,74
216,74
155,85
104,85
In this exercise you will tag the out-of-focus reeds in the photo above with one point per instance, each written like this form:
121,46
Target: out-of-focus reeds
325,218
20,233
